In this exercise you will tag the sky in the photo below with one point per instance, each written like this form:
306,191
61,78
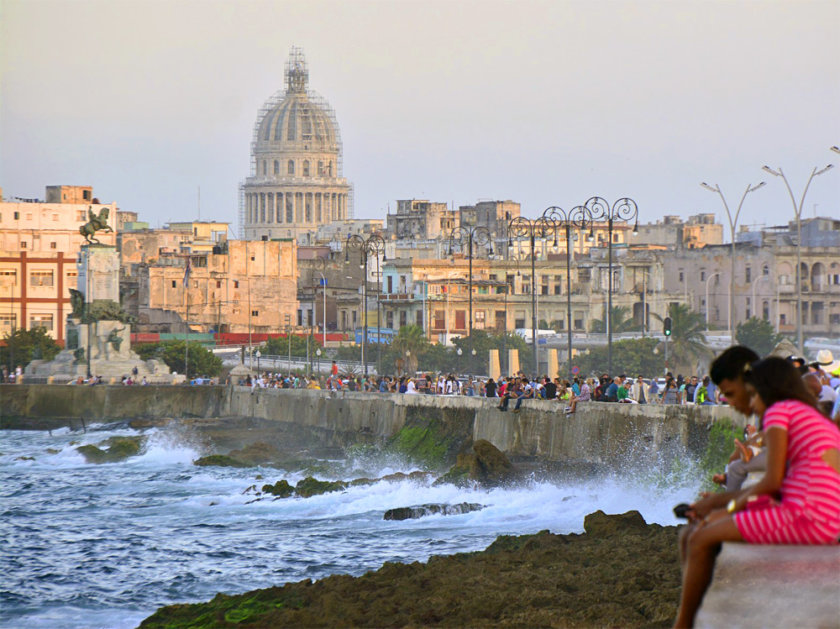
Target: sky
544,103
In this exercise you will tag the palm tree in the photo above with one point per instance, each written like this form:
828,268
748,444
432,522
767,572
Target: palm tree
620,320
409,343
688,341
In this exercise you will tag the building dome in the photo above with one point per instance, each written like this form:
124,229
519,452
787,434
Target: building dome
295,183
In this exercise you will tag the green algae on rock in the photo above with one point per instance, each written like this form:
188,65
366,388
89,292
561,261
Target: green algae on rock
310,486
486,465
220,460
112,450
617,575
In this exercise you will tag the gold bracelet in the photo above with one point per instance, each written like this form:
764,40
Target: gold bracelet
730,508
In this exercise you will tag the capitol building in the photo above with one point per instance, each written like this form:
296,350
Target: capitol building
296,182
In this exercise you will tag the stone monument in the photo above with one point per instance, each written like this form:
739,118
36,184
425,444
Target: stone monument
98,329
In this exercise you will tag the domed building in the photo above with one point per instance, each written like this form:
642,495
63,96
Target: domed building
295,184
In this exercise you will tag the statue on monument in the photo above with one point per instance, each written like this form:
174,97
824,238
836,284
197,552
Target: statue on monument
95,223
77,303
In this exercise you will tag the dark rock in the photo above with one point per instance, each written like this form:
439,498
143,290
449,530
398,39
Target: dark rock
310,486
281,489
258,453
220,460
421,511
115,449
488,466
602,525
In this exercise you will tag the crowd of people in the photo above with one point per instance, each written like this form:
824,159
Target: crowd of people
782,483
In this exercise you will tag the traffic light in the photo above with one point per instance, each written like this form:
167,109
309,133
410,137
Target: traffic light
666,326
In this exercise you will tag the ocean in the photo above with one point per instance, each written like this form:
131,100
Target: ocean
86,545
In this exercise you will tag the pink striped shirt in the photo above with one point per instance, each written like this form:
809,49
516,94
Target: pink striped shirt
809,512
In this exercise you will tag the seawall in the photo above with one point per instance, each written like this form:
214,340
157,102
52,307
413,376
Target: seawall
597,433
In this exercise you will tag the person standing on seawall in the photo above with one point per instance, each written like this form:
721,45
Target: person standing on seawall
803,467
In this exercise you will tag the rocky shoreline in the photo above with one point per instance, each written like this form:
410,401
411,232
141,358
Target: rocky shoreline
620,572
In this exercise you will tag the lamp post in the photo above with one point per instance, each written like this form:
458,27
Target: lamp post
259,355
373,245
318,354
576,218
533,229
459,351
473,235
797,209
623,210
708,279
733,224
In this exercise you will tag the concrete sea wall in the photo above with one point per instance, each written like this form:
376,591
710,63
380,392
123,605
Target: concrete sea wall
597,433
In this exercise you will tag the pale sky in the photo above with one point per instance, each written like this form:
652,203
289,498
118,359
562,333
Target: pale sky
545,103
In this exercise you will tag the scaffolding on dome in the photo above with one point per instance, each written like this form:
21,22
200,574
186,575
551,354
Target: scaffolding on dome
296,78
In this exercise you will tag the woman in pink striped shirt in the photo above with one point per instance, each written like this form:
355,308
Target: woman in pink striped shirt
797,501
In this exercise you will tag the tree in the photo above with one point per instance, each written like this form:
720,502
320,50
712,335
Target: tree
687,343
203,362
27,345
279,345
621,321
758,335
630,356
409,345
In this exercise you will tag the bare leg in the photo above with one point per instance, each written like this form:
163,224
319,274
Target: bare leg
700,560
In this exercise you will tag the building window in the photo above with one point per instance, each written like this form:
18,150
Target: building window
702,276
682,276
80,215
306,168
748,276
290,167
41,278
418,319
23,244
7,322
17,216
236,283
438,320
765,270
44,321
276,166
320,168
218,283
479,319
256,313
53,245
174,284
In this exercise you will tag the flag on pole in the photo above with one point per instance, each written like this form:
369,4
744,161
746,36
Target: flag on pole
187,274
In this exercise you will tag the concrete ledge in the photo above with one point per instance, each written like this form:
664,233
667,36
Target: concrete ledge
773,586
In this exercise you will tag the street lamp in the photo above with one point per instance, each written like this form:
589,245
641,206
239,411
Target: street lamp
477,235
373,245
577,218
318,354
798,212
541,227
733,223
459,351
708,279
259,354
623,210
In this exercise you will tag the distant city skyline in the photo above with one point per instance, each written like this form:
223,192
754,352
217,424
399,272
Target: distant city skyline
543,103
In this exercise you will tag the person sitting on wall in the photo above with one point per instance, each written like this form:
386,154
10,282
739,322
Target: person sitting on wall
747,459
512,390
803,470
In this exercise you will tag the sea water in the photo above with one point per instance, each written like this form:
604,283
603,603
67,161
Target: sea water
85,545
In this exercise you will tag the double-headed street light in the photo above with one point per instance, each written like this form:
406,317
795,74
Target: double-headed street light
470,235
533,229
576,218
797,209
733,224
624,210
374,245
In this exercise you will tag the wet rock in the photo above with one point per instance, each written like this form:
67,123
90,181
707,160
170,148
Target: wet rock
112,450
310,486
25,458
281,489
541,580
486,465
220,460
53,450
603,525
258,453
421,511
